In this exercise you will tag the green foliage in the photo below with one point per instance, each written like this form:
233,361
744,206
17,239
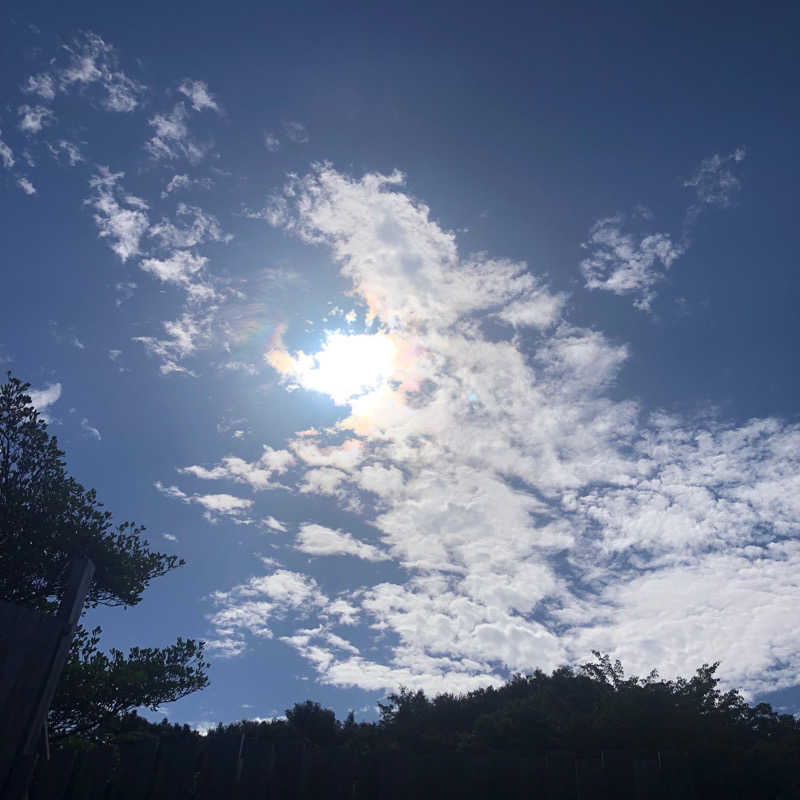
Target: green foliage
312,722
98,690
46,517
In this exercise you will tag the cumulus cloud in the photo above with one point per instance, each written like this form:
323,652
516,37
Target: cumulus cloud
535,516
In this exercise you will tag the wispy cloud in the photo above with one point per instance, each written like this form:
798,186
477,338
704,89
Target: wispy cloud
633,263
26,186
6,154
183,182
272,142
198,94
716,181
68,150
184,336
296,131
41,84
120,217
91,60
171,139
90,430
628,264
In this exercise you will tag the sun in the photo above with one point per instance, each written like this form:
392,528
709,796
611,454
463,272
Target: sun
348,366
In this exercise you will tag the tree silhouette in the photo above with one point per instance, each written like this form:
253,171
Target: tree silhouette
47,518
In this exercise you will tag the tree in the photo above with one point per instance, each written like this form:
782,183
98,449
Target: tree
47,518
97,691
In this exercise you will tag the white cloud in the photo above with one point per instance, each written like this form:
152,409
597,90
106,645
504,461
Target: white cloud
222,503
272,142
184,182
184,336
183,268
90,430
26,186
198,93
534,515
41,84
170,537
632,264
92,60
317,540
250,606
34,118
43,398
715,180
69,149
203,227
171,139
275,525
296,131
119,216
627,264
259,474
6,154
540,309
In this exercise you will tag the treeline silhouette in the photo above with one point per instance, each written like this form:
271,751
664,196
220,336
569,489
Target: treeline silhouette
575,733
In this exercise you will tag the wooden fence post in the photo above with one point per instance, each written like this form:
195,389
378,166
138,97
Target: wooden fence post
51,649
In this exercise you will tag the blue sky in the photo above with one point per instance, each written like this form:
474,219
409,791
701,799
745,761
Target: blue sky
441,343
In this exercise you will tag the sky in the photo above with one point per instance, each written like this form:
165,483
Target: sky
442,343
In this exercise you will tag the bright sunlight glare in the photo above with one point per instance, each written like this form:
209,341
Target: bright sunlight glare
348,366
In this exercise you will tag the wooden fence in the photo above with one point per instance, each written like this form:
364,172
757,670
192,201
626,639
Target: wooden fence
234,767
33,650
